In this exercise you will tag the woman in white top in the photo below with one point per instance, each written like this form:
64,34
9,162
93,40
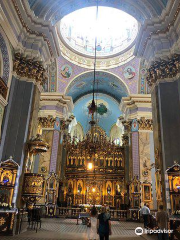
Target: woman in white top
92,230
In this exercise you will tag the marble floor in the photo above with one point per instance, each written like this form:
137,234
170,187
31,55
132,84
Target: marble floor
66,229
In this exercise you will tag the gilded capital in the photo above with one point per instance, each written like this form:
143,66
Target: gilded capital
162,69
145,124
47,122
30,69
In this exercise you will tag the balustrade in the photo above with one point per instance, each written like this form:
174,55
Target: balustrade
67,212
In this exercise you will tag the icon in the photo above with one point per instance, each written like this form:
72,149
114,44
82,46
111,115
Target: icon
138,231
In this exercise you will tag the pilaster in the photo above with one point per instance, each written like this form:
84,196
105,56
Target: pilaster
138,125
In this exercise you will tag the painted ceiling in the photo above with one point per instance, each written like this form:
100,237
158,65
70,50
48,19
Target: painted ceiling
106,83
55,10
80,35
108,111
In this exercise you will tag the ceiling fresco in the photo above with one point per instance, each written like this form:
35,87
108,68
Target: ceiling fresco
80,35
55,10
105,83
76,72
108,111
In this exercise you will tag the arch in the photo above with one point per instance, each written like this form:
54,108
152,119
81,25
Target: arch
6,58
55,11
109,83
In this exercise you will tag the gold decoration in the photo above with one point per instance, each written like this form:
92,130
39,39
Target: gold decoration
162,69
125,139
174,185
30,69
145,124
47,122
33,189
8,174
127,125
2,221
37,145
93,143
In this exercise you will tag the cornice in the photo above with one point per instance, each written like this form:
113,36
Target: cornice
158,35
24,34
55,98
136,106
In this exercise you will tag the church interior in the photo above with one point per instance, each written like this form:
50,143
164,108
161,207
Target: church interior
89,111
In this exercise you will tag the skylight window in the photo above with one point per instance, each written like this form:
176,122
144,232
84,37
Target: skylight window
115,30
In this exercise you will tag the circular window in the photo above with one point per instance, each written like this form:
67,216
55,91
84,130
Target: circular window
115,30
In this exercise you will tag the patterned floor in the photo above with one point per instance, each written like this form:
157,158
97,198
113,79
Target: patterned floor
66,229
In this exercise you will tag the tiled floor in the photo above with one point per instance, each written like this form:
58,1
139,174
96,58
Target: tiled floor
66,229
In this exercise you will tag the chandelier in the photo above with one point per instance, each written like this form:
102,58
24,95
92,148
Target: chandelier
94,142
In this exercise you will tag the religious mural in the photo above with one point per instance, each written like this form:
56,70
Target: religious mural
129,72
66,71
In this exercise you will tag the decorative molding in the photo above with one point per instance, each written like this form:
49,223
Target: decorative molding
38,34
160,70
125,139
161,31
145,124
29,68
159,36
136,106
3,88
47,122
5,58
56,105
126,124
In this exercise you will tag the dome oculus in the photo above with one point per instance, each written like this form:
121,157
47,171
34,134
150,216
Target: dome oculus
115,31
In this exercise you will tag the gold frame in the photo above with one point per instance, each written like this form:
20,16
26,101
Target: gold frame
143,186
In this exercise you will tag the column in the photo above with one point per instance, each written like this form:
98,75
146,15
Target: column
20,113
137,111
163,79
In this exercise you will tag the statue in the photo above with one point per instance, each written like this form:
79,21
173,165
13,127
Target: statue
108,190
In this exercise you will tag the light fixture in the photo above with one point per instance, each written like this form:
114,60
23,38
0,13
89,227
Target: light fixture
93,189
90,166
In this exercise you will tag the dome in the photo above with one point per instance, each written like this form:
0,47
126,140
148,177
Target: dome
116,31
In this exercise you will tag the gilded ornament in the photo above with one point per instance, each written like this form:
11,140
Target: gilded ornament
145,124
162,69
37,145
28,68
47,122
2,221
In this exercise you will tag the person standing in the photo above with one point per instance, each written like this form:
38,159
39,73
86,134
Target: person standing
162,222
145,211
91,232
104,225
